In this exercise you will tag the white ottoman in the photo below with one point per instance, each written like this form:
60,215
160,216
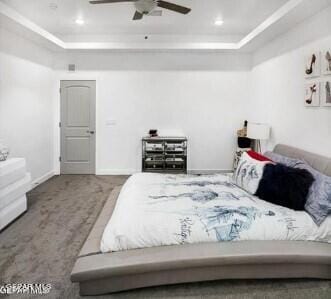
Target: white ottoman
14,183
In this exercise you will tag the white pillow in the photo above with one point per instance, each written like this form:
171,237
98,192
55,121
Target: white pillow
249,173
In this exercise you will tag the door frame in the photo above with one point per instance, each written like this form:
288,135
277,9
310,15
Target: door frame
58,136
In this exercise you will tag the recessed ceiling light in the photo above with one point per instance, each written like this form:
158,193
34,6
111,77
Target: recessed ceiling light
219,22
80,21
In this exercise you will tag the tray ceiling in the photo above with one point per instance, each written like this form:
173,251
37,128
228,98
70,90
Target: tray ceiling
239,16
110,26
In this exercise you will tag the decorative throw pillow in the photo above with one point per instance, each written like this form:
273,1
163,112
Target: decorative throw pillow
318,203
285,186
249,173
258,156
290,162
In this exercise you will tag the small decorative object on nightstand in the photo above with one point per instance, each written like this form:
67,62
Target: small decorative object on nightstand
244,145
258,132
152,133
164,154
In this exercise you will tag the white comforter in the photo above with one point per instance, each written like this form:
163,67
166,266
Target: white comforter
158,209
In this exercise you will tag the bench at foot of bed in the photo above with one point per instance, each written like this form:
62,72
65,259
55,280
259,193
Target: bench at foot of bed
99,273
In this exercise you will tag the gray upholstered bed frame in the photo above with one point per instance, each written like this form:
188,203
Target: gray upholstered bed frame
99,273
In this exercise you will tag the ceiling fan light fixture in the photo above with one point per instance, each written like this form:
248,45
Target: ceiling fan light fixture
145,6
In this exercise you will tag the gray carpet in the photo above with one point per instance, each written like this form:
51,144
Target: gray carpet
41,246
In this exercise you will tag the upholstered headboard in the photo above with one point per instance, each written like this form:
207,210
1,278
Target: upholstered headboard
320,163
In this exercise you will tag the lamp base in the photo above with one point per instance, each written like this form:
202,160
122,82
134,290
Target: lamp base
257,146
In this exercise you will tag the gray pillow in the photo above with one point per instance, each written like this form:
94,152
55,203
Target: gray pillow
318,203
290,162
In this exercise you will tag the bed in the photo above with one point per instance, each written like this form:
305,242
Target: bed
129,267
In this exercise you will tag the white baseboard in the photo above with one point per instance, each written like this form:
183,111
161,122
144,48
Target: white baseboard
133,171
42,179
116,171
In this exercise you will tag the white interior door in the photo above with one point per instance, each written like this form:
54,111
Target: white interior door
77,127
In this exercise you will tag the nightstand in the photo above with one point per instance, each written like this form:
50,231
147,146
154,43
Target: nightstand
164,154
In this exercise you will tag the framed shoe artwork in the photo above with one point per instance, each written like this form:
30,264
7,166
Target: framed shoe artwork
313,65
326,62
312,94
326,93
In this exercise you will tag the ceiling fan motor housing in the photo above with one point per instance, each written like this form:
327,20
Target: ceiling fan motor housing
145,6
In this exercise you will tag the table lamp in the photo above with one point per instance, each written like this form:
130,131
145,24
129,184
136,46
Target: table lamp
258,132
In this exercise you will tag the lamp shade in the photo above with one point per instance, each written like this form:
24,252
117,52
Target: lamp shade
258,131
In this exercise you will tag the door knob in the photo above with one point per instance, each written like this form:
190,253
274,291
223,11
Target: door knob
91,132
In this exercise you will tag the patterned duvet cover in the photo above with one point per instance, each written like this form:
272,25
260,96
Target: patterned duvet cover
162,209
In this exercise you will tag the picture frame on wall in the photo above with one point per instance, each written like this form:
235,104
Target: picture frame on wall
326,93
313,65
312,94
326,62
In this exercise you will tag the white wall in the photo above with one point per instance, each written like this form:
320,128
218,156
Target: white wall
206,105
26,102
206,96
215,92
277,81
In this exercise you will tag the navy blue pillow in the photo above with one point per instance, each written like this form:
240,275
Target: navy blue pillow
285,186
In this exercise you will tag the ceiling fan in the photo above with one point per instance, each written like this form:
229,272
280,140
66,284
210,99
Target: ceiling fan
146,7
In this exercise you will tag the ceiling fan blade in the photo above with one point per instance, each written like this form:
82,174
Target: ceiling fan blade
155,13
137,16
173,7
110,1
